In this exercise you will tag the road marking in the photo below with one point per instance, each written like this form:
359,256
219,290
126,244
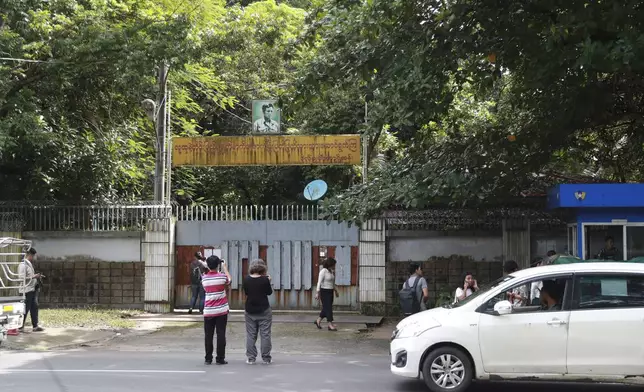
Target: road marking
311,362
99,371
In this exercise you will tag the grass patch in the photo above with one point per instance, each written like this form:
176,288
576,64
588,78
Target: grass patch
176,326
89,317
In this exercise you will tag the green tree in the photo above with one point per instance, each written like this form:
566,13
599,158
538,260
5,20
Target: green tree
487,97
70,103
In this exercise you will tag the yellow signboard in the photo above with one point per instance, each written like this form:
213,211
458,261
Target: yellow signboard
266,150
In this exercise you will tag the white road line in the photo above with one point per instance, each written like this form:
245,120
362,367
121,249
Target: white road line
357,363
99,371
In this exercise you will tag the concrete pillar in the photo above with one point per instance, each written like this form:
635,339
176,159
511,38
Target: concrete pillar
157,247
371,265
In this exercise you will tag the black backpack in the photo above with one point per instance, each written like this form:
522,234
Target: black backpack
409,303
195,275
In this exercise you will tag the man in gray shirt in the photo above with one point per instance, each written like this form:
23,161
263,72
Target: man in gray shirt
422,292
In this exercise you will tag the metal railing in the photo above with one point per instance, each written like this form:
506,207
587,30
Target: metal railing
447,219
247,213
12,251
36,216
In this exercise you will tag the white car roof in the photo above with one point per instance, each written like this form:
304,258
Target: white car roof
581,267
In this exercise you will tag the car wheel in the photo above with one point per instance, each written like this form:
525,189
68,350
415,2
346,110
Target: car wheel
447,369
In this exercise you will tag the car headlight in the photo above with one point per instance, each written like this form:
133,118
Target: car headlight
413,330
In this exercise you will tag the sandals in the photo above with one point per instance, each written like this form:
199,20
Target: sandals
317,324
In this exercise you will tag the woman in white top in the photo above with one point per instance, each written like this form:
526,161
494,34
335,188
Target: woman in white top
468,287
325,290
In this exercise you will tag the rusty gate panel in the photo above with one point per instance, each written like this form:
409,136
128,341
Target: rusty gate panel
293,265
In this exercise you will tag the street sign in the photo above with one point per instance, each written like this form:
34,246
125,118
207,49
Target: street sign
276,150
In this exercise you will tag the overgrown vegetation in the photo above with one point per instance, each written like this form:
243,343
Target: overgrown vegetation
470,102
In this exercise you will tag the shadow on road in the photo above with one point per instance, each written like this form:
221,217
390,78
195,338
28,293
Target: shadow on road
419,386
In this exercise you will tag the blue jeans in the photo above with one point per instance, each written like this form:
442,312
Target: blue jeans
198,293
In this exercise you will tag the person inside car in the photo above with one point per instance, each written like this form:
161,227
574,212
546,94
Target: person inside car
551,296
519,295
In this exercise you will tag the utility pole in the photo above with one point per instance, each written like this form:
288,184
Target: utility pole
160,125
168,163
365,143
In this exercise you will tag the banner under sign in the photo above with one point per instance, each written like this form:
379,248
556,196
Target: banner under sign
266,150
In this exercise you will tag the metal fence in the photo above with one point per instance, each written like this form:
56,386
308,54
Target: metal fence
447,219
54,217
247,213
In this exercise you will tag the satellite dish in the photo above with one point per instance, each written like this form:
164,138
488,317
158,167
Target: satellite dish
315,190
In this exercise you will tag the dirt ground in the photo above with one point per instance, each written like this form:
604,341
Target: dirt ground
286,338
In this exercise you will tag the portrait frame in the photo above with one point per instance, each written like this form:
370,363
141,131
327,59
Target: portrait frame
259,126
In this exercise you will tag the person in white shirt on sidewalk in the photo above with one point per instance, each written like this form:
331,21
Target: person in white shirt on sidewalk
325,290
27,273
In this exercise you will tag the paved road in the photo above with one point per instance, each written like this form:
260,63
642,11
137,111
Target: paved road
110,370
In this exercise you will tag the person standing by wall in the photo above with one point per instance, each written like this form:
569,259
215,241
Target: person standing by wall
258,313
197,268
414,293
215,313
27,273
325,290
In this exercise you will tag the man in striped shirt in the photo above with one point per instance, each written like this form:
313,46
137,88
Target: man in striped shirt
215,312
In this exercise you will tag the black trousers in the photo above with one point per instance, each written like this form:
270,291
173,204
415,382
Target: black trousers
31,307
212,325
326,297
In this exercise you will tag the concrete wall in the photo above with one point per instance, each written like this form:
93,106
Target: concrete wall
443,276
113,246
90,268
100,283
214,233
542,242
443,257
423,245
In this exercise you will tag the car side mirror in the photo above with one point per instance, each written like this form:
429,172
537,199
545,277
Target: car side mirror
502,308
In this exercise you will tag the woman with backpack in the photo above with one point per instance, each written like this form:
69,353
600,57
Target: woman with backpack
325,290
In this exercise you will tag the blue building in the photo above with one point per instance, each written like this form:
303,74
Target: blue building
599,213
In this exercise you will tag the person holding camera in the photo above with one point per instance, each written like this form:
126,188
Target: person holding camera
198,267
215,312
258,315
30,289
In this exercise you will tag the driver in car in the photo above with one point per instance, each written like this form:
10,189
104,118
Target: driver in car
550,296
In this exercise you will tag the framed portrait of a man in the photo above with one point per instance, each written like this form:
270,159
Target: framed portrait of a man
266,117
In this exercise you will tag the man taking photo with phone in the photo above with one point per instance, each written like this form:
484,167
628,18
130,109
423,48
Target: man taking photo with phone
30,278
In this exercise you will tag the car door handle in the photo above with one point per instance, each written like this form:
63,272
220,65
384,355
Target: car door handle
556,322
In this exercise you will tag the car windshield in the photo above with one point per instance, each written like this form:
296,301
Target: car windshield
484,289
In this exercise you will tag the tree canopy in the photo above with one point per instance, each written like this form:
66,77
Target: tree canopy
468,102
488,97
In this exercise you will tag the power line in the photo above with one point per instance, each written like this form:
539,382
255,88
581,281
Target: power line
31,61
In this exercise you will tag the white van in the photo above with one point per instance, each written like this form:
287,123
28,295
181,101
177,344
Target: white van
595,331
